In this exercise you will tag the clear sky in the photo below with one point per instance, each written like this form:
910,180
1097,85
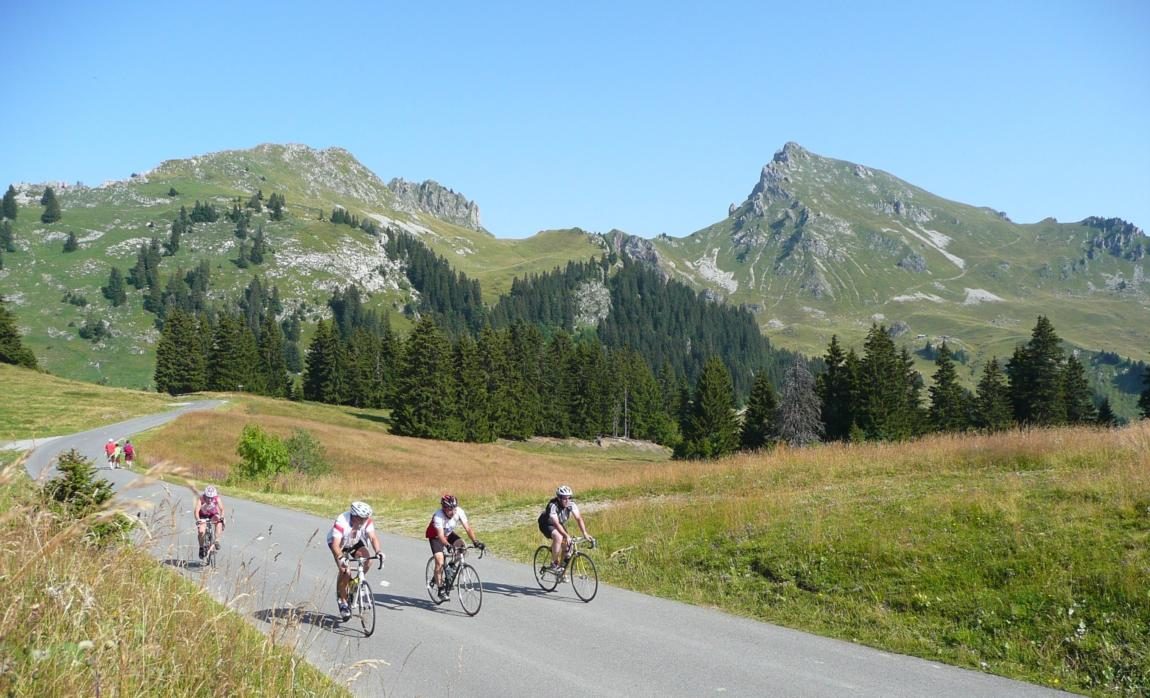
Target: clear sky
650,117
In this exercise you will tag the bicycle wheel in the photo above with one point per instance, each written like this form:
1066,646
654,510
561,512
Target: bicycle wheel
584,577
469,589
543,575
210,540
365,605
429,579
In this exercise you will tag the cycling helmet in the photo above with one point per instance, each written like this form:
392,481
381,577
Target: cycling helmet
111,441
360,509
211,492
448,500
564,491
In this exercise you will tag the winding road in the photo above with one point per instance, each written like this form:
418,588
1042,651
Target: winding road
275,570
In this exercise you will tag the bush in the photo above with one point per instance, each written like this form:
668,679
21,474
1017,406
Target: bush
77,493
263,454
307,454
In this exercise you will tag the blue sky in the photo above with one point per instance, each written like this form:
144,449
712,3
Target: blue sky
650,117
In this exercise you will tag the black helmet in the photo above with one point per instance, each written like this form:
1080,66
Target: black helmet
448,500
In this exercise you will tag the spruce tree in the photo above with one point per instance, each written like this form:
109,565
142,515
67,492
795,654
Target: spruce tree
276,381
471,392
9,209
758,420
1106,416
836,390
324,366
799,416
992,403
71,244
1144,399
180,356
7,239
232,356
557,386
948,400
887,391
114,290
1077,394
711,430
425,390
12,349
1036,382
51,207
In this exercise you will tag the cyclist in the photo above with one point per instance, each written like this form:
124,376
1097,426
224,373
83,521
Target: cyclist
347,535
209,508
553,524
110,452
441,535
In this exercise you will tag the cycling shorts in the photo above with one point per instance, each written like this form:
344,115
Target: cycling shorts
437,545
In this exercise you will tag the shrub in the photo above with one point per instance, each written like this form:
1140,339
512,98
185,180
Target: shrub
262,454
77,493
307,454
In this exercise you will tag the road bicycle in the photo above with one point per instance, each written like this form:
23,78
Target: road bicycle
578,568
208,543
458,576
360,600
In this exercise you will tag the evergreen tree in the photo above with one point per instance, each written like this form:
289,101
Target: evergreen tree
1035,375
180,358
758,421
887,408
232,357
7,240
324,366
71,244
711,430
51,207
557,386
992,403
9,209
948,401
114,290
259,247
1076,392
471,395
798,420
836,388
276,381
12,349
425,389
1144,398
1106,416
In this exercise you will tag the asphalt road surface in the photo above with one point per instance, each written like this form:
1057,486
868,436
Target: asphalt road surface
275,569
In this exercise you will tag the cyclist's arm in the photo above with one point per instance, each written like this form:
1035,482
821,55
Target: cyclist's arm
220,508
470,532
196,514
375,542
337,551
582,526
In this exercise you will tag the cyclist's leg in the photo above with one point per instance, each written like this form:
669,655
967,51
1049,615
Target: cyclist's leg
556,546
437,551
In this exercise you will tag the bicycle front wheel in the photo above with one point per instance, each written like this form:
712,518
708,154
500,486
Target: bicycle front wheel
543,575
366,606
584,577
429,575
210,560
469,589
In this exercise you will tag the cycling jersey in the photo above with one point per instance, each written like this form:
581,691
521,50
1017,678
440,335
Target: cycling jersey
443,522
554,508
341,528
209,507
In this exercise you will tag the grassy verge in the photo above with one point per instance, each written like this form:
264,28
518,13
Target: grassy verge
38,404
81,621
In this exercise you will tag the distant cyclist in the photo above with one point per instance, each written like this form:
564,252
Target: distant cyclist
441,535
553,524
209,508
348,534
110,452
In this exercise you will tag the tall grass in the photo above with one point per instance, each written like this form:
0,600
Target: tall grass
82,621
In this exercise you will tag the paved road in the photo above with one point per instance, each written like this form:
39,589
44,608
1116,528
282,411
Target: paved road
275,569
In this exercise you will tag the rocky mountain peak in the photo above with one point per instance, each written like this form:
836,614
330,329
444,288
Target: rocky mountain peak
434,199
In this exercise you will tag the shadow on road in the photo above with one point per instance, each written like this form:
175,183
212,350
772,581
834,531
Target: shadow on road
294,616
394,602
512,590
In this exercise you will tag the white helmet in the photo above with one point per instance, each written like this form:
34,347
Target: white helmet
564,491
361,510
111,441
211,492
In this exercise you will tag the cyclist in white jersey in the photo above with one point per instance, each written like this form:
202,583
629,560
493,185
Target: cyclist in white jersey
553,523
441,535
349,533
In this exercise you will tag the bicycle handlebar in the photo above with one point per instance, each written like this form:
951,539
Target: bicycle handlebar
349,558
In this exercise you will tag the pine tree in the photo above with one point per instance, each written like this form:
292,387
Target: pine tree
51,207
836,389
324,366
887,394
425,391
1077,394
758,421
114,291
180,357
948,401
1144,398
9,209
7,240
1106,416
232,357
276,381
799,416
12,349
71,244
556,385
471,395
1035,374
992,403
711,430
